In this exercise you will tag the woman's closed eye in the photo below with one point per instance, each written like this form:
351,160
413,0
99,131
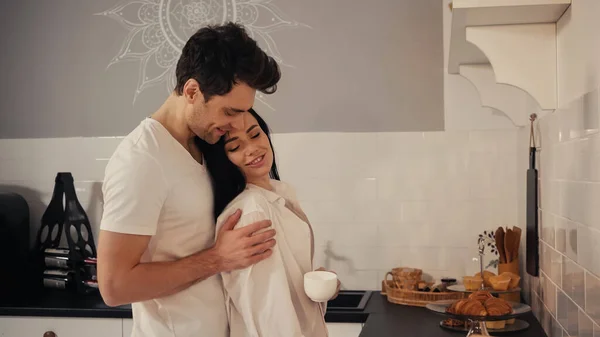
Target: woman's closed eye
255,136
233,149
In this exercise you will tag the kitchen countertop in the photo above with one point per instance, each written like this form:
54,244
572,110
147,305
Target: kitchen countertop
380,318
392,320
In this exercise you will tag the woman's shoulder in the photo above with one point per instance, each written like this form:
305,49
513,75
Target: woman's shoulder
249,201
285,190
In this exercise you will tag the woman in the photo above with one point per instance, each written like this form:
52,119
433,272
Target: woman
267,299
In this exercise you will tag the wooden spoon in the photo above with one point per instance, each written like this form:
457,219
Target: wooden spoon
517,244
499,237
508,241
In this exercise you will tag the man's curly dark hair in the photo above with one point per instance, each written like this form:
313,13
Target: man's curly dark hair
220,56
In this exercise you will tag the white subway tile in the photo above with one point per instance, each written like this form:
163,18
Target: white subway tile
536,306
401,142
340,258
586,326
416,211
591,213
549,192
457,262
551,263
556,330
590,112
571,200
566,237
588,247
376,211
547,224
551,326
592,297
396,234
548,295
495,141
573,281
570,121
392,257
327,211
360,280
568,313
547,129
357,234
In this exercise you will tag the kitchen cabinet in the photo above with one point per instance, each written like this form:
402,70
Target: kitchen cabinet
344,329
127,327
60,327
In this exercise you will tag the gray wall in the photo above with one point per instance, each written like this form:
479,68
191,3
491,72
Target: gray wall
348,65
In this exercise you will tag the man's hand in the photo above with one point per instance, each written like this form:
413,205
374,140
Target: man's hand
337,291
243,247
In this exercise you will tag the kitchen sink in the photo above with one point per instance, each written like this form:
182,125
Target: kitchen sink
350,300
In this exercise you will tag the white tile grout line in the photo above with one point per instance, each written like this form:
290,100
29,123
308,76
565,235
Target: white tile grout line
566,295
585,270
546,306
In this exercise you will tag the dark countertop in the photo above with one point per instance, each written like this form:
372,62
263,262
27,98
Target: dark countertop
57,303
380,318
392,320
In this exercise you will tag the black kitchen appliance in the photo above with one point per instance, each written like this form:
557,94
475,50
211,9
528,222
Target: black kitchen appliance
16,267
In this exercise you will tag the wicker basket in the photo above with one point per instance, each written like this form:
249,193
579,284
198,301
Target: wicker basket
413,297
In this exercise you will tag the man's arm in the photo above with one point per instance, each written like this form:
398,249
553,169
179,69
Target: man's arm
123,279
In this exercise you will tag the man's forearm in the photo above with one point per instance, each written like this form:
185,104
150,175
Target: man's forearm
147,281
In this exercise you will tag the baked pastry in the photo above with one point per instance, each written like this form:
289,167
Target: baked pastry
500,282
497,307
467,307
472,283
514,279
453,322
456,307
495,325
481,296
481,303
511,321
486,277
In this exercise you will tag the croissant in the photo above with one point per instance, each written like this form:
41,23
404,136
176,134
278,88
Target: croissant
456,307
467,307
473,308
480,296
497,307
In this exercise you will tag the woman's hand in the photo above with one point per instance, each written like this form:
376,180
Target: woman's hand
337,291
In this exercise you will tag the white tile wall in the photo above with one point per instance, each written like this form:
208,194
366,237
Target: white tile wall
570,222
376,200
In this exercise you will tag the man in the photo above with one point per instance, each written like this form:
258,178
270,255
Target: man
156,247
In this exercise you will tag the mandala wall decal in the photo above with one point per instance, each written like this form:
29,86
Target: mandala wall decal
158,30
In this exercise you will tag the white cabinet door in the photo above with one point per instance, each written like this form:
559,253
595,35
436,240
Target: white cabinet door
127,327
62,327
344,329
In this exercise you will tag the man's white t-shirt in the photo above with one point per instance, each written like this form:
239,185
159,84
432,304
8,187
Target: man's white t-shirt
154,187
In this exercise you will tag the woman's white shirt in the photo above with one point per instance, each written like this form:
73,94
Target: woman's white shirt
268,299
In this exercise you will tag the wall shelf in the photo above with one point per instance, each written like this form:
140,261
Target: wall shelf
510,100
517,38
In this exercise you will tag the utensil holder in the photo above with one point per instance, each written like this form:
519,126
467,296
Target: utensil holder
511,267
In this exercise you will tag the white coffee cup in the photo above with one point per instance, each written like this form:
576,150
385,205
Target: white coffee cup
320,286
